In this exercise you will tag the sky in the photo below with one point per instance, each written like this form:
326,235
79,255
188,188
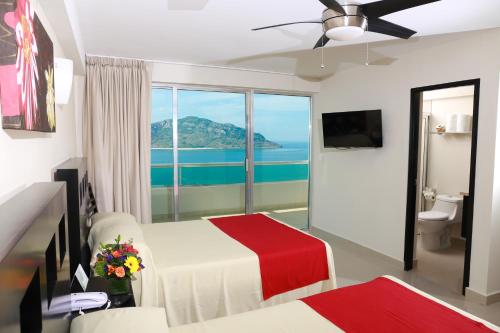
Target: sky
279,118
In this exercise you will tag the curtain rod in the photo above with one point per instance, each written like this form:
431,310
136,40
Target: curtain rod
191,64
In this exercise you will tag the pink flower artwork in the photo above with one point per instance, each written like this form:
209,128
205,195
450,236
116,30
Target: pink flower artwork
26,69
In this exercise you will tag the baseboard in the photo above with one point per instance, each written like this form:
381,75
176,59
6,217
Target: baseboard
476,297
327,235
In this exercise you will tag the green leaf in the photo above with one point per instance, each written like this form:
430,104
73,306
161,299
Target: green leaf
99,268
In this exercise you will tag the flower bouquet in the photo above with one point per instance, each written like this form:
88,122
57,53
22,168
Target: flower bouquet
118,263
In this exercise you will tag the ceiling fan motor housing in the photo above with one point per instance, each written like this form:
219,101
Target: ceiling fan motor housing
344,27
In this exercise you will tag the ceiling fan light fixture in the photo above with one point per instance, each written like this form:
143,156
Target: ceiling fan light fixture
348,21
344,27
345,33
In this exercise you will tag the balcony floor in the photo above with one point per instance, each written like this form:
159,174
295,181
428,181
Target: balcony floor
296,217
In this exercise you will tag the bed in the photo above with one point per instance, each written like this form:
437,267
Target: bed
198,272
385,304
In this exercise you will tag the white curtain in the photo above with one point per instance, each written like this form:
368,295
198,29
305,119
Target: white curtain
117,134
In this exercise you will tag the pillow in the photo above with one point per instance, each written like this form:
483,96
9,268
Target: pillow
106,230
145,286
150,320
103,217
106,233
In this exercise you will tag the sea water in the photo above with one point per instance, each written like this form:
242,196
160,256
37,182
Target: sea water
195,168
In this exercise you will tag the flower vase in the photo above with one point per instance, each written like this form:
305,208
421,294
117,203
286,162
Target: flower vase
119,286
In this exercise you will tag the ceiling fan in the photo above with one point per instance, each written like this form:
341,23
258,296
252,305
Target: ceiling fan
350,21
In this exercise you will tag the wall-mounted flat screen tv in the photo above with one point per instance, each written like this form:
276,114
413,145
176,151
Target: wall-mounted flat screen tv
355,129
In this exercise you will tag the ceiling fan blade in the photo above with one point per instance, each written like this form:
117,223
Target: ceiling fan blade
322,41
388,28
332,4
284,24
385,7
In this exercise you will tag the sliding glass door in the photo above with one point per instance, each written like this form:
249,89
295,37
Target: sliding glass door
212,151
206,162
162,156
281,157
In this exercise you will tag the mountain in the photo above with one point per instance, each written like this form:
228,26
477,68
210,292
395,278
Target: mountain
195,132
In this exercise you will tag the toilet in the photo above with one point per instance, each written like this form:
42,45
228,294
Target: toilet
435,225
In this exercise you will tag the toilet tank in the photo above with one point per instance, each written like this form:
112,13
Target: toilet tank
451,205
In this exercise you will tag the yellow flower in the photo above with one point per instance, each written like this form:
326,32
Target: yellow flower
50,98
132,263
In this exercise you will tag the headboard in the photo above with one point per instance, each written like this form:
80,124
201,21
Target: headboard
36,267
74,173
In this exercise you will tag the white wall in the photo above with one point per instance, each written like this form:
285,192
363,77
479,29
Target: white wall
361,195
494,266
28,157
78,104
449,155
228,77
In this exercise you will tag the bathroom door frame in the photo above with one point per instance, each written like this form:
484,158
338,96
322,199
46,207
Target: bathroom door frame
413,169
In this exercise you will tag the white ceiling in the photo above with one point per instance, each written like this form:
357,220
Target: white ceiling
218,32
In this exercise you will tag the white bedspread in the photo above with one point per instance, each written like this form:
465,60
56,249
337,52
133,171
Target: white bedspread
293,317
204,274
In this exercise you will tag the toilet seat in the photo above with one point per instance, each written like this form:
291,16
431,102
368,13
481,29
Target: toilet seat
433,215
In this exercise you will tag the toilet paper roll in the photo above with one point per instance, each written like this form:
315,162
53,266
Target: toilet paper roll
451,123
464,123
429,195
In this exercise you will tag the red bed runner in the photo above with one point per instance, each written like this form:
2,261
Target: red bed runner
383,305
288,258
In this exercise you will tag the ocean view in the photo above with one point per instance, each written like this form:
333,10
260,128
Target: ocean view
199,175
210,130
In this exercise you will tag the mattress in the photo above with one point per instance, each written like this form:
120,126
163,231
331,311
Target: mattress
205,274
295,316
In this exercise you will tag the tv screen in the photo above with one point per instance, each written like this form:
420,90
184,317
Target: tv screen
353,129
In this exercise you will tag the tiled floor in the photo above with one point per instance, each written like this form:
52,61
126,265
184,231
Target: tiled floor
355,264
444,267
297,219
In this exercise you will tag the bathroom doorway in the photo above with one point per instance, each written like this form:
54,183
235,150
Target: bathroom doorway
441,182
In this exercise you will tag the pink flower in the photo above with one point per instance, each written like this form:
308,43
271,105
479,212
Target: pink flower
27,72
116,254
120,272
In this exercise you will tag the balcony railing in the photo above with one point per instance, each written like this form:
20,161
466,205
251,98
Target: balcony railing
210,189
225,173
225,164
